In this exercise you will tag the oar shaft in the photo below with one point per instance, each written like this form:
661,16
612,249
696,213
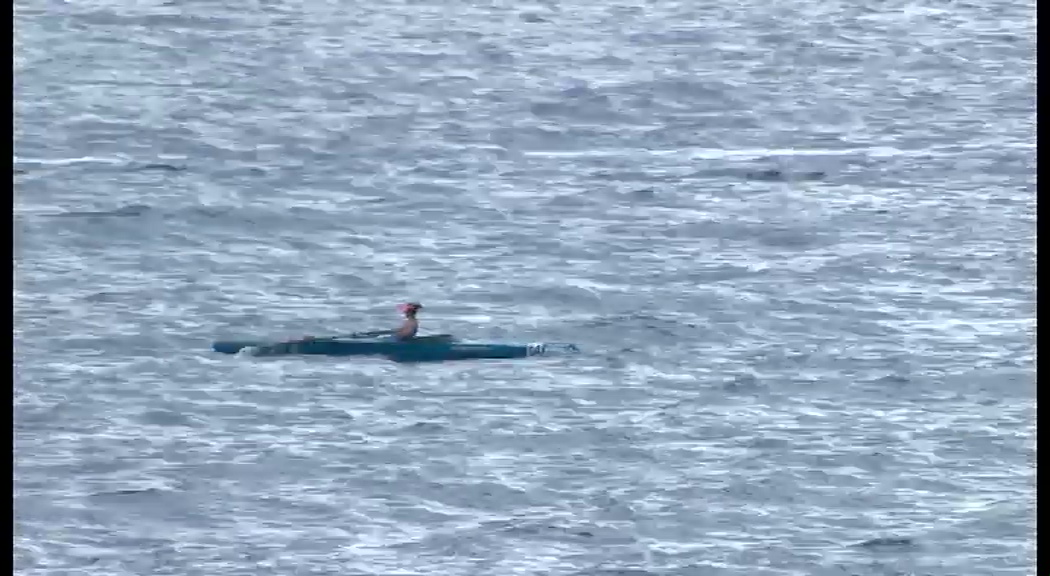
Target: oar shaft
356,335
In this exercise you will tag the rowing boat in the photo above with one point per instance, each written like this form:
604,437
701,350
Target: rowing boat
435,348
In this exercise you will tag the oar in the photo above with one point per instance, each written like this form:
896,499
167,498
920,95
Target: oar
355,335
352,336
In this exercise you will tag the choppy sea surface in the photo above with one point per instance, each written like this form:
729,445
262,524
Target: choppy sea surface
794,241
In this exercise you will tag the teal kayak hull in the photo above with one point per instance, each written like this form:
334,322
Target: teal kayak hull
437,348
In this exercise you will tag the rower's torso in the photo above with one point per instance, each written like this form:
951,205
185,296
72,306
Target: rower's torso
409,328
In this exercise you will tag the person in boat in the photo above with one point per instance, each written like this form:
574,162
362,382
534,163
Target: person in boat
408,329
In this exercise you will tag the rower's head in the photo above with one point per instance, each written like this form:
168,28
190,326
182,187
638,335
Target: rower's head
410,309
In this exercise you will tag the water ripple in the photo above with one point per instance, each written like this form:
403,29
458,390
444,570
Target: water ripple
796,244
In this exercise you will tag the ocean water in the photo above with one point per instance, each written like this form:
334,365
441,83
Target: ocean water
794,241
